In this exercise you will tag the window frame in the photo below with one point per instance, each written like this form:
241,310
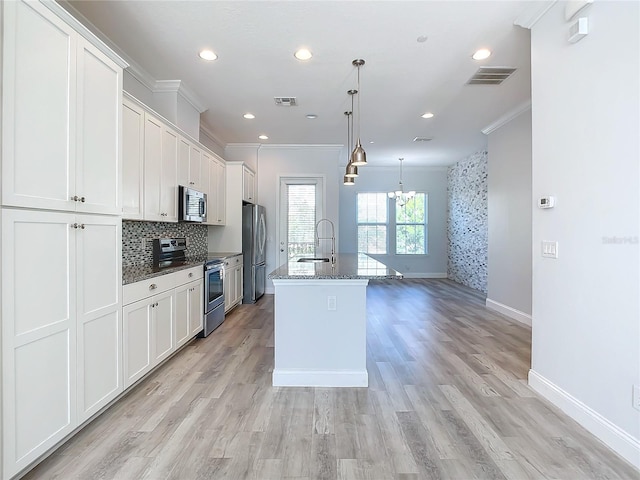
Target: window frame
424,223
381,224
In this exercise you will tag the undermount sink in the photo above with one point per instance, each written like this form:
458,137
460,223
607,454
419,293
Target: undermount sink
313,260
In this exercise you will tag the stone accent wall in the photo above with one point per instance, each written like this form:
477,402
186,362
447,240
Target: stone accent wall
467,222
133,233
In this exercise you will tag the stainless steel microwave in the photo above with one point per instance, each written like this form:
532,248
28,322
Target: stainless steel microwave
192,205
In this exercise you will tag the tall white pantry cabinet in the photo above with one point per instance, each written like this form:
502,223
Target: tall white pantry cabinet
60,231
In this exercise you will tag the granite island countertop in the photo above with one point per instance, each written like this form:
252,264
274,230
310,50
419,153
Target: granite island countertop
139,273
347,267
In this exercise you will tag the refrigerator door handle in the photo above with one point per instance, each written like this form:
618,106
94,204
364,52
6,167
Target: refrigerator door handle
263,240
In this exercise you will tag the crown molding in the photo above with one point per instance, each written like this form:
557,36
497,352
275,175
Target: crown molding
506,118
178,86
293,146
243,145
79,22
534,12
204,128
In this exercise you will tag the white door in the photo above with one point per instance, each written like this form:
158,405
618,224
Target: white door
98,145
132,160
169,176
162,337
182,314
38,108
99,253
38,333
136,319
183,162
195,160
301,206
152,168
196,307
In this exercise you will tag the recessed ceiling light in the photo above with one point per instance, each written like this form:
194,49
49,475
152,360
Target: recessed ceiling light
427,115
303,54
208,55
249,116
481,54
263,137
312,116
372,141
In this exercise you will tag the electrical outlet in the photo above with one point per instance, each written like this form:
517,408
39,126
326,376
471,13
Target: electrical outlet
636,397
331,302
549,249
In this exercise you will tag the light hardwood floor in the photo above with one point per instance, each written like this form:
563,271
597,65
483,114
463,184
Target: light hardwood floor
448,398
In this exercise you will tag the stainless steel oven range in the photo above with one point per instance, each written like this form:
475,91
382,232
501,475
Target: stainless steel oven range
213,295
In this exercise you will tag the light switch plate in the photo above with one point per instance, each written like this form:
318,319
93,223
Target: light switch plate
549,249
331,302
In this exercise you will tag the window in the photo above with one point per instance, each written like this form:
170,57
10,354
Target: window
301,220
411,226
384,226
372,222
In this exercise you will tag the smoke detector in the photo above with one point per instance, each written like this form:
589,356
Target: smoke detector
285,101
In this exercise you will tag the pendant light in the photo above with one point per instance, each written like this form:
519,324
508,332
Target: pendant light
352,170
400,195
358,156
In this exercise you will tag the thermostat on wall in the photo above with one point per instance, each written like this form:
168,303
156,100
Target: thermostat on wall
546,202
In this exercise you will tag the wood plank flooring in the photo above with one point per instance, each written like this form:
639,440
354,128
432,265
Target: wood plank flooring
448,399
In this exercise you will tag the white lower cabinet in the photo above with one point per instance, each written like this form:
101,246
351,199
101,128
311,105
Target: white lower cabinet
189,311
61,330
232,282
159,316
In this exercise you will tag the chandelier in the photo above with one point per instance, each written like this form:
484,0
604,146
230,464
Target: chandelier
400,195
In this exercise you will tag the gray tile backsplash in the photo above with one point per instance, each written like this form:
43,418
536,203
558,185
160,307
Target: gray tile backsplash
133,253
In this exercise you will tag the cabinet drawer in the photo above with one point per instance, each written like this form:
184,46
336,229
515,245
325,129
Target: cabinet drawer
188,275
146,288
233,261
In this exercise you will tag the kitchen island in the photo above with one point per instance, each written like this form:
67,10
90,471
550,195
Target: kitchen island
321,321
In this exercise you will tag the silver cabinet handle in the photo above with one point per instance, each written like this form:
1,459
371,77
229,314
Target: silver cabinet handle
153,286
74,198
82,199
81,226
73,225
191,275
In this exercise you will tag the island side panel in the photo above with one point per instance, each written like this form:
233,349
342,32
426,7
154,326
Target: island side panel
315,346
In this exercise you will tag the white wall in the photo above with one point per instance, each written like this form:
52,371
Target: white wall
586,316
509,208
274,162
133,86
433,181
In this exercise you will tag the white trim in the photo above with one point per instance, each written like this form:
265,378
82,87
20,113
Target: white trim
320,378
507,117
206,129
75,19
178,86
534,12
508,311
268,146
303,281
424,275
611,435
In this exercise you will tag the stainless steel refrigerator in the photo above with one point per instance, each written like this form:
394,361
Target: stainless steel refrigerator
254,239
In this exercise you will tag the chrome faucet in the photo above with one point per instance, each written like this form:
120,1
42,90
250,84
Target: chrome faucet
332,238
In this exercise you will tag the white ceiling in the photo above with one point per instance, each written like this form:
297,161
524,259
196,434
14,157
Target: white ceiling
402,78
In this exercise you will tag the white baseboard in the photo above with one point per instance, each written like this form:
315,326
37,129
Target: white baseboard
508,311
320,378
611,435
424,275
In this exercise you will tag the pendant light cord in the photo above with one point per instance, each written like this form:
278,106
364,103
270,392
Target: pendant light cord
359,117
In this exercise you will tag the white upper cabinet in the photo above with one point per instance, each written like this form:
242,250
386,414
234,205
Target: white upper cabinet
132,160
216,193
248,185
160,171
195,161
183,162
61,116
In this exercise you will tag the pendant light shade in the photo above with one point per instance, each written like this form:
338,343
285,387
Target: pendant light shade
349,180
352,170
358,156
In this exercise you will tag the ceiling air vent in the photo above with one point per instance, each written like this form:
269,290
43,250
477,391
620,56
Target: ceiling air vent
491,75
422,139
285,101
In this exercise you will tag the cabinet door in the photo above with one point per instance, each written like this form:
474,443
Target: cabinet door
182,329
38,333
238,279
153,129
196,307
99,286
248,185
228,286
169,176
221,193
132,160
162,336
195,161
38,108
98,139
137,319
183,162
